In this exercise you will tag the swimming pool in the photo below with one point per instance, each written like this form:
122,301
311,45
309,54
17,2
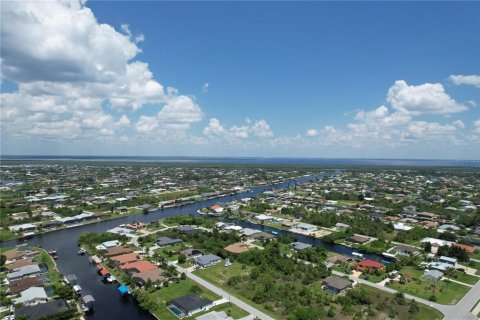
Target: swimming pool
179,313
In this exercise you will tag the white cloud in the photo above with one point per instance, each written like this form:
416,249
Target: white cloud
477,125
261,128
459,124
68,68
146,124
239,132
473,80
312,133
214,128
205,87
428,98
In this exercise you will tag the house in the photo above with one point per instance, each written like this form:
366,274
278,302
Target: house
342,225
14,254
298,246
116,251
154,275
216,208
214,315
188,229
359,239
405,250
107,244
433,275
306,227
191,253
401,227
336,285
262,236
375,216
338,259
41,310
23,272
450,261
17,286
122,209
367,265
31,295
188,305
19,263
468,249
248,232
263,217
125,258
237,247
138,266
166,241
207,260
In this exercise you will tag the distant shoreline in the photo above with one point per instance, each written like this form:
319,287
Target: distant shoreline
251,160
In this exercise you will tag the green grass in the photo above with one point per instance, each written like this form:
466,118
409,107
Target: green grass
373,277
219,275
465,278
7,235
163,252
425,312
446,293
44,257
229,308
173,291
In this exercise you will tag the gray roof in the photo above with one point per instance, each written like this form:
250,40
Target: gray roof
88,299
190,302
41,310
300,245
166,241
33,293
336,283
433,274
208,259
214,315
24,271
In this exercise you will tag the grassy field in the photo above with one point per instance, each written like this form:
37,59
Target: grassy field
7,235
465,278
425,312
164,252
373,278
446,293
219,275
44,257
176,290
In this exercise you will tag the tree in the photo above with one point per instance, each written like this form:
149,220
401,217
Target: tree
427,247
182,258
414,308
3,259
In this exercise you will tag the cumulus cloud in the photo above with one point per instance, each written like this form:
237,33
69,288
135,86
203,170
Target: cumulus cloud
312,133
472,79
259,128
459,124
69,68
428,98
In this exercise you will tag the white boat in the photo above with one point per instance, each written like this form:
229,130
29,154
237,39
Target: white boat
357,255
77,289
111,279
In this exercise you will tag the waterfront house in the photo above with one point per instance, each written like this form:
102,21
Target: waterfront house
31,295
368,265
116,251
125,258
154,275
299,246
358,239
138,266
188,305
42,310
22,272
20,285
405,250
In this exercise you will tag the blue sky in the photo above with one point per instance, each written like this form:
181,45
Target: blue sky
316,79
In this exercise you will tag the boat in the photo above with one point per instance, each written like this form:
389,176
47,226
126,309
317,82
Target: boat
87,303
52,252
81,251
77,289
111,279
274,232
123,290
357,255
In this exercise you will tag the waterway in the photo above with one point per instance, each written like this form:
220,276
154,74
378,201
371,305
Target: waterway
109,304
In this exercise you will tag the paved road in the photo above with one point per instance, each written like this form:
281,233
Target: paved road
459,311
239,303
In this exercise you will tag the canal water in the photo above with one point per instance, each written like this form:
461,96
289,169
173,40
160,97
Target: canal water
109,304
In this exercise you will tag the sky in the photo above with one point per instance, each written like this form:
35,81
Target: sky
262,79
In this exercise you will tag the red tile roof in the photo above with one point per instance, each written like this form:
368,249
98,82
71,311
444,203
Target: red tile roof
370,264
125,258
140,266
469,249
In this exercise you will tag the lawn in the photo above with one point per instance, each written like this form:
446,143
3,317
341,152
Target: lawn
7,235
465,278
170,251
219,275
446,293
373,277
44,257
425,312
176,290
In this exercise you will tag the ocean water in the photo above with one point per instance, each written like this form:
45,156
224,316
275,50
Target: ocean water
258,160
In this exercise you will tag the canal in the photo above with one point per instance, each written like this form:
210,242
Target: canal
109,304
